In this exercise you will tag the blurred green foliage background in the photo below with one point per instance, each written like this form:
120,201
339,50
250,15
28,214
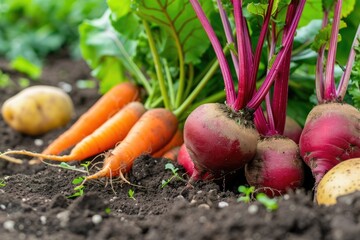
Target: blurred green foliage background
33,29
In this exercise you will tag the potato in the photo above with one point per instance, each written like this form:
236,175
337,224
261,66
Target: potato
342,179
38,109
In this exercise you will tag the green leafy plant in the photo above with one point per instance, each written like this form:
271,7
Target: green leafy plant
131,194
174,170
270,203
5,80
79,190
86,165
354,84
28,30
25,66
2,183
164,49
247,195
107,210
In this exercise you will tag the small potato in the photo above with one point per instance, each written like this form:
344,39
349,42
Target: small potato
38,109
342,179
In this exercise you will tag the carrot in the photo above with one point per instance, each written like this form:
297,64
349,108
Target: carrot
176,141
104,138
101,111
172,154
154,130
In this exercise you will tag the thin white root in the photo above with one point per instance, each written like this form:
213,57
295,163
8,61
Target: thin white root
122,177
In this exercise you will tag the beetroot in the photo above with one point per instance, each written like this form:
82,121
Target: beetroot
221,138
332,129
277,166
331,135
185,161
218,139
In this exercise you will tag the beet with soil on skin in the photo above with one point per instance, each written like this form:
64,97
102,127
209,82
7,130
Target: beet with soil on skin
222,138
331,135
218,139
277,166
332,129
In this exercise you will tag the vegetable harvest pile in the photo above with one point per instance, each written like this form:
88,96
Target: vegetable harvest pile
207,84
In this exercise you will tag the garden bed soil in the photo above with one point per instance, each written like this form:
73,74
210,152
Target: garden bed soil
34,202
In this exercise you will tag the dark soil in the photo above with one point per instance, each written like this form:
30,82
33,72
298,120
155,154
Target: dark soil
34,203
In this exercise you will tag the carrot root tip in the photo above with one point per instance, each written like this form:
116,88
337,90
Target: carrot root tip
11,159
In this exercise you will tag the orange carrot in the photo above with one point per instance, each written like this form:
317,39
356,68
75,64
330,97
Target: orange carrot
104,138
176,140
102,110
154,130
172,153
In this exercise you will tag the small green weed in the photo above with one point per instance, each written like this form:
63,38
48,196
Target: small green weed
86,165
174,170
248,193
2,183
270,203
107,210
79,190
5,80
131,194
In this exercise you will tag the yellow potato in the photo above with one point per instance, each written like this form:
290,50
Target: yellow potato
38,109
342,179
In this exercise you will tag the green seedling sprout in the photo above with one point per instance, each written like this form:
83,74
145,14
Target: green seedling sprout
2,183
79,190
246,192
5,80
247,195
270,203
86,165
131,194
174,170
107,210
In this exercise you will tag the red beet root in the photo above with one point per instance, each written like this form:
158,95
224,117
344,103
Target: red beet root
185,161
218,139
277,166
331,135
